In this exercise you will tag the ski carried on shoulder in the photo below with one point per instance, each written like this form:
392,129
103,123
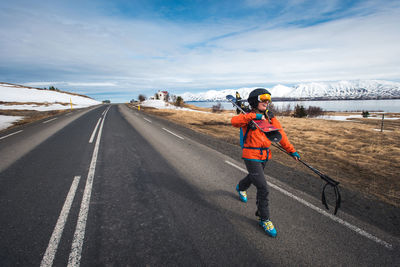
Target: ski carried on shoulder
269,130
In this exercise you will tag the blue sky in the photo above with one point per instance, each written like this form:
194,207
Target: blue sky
119,49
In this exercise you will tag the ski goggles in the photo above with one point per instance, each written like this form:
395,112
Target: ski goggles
264,98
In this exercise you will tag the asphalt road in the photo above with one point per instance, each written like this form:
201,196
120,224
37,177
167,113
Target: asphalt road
146,193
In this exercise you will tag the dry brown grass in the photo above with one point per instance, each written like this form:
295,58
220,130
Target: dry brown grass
351,152
354,152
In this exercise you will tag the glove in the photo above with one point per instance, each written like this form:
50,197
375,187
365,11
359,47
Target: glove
295,155
270,114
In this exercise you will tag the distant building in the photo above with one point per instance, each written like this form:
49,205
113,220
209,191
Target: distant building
162,95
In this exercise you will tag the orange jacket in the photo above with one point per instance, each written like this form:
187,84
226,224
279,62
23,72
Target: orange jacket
256,145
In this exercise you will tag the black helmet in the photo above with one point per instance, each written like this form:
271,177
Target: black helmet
253,96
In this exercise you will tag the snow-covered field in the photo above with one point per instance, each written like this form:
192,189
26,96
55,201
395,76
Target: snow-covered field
45,100
20,94
37,107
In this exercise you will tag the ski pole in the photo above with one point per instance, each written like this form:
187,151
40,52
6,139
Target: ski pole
326,178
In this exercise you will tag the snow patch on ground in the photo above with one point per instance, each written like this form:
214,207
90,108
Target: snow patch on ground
160,104
339,118
379,130
7,121
346,117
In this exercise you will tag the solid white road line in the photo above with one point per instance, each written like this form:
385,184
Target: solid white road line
79,235
49,120
97,125
10,134
59,228
321,211
94,131
147,120
173,133
106,110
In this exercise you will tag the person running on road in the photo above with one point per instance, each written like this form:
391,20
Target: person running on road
256,153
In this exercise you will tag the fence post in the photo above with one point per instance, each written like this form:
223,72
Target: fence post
383,117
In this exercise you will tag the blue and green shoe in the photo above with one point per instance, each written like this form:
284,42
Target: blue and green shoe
268,227
242,194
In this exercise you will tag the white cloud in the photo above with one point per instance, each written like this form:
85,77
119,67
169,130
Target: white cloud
352,48
133,54
83,84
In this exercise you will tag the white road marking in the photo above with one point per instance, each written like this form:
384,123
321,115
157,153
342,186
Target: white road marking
79,235
10,134
106,110
49,120
97,125
59,228
237,167
94,131
173,133
321,211
147,120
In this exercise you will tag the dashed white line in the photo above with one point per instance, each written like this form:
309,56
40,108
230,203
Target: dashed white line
10,134
50,120
173,133
330,216
79,235
147,120
94,131
236,166
51,250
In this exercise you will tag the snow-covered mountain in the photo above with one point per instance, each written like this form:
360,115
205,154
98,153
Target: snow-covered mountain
316,90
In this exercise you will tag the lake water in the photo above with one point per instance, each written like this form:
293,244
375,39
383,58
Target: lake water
390,105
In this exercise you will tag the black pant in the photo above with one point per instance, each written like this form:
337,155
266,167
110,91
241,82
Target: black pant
256,177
